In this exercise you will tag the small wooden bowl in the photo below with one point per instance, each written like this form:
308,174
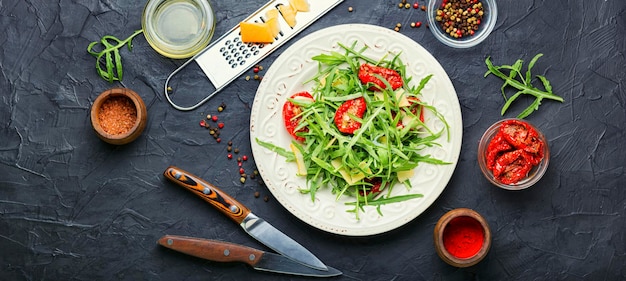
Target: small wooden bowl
438,236
133,132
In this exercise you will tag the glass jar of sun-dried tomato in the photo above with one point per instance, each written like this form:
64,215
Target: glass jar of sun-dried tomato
513,154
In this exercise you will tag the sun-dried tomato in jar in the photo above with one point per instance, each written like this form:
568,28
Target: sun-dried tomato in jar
514,151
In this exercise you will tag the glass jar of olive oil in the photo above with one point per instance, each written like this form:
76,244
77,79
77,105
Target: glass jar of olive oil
178,28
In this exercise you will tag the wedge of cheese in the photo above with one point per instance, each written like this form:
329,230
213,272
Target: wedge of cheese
272,21
289,14
300,5
351,177
299,160
253,32
267,31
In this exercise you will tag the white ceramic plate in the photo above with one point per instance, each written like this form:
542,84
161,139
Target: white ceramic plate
286,76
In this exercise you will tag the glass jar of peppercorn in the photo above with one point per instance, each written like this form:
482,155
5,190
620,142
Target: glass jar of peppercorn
462,23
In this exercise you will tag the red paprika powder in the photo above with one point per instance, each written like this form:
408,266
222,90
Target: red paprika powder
463,237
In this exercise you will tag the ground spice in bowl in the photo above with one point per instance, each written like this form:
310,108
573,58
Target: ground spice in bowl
117,115
462,237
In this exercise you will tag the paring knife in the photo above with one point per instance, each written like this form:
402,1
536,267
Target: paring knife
228,252
253,225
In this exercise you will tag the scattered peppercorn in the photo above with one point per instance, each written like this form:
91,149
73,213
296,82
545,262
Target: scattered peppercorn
218,140
242,180
214,118
242,171
266,198
244,158
256,194
400,5
415,5
169,89
230,156
229,148
418,24
396,28
247,77
423,8
220,125
202,123
236,150
350,9
238,159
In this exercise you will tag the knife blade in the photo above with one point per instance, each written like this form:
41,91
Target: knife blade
228,252
253,225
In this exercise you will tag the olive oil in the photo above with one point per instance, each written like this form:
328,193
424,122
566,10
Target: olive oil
178,28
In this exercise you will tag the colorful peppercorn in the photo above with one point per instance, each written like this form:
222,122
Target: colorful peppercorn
459,18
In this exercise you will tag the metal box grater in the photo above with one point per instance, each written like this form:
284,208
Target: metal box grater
228,57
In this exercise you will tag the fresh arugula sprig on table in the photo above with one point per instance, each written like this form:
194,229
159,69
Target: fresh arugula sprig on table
112,58
523,84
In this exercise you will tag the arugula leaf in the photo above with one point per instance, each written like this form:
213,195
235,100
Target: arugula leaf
523,84
112,59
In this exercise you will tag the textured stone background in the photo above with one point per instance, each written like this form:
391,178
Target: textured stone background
75,208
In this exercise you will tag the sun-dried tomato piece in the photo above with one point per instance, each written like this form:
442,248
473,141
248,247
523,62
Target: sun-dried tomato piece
291,116
343,120
366,75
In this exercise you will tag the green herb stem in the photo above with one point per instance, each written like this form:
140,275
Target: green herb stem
523,85
110,56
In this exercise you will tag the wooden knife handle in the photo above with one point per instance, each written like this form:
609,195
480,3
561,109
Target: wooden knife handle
218,198
212,249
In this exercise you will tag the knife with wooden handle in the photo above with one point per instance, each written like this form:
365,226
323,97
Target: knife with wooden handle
253,225
228,252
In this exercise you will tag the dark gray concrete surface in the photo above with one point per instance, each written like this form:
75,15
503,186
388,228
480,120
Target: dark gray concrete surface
75,208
